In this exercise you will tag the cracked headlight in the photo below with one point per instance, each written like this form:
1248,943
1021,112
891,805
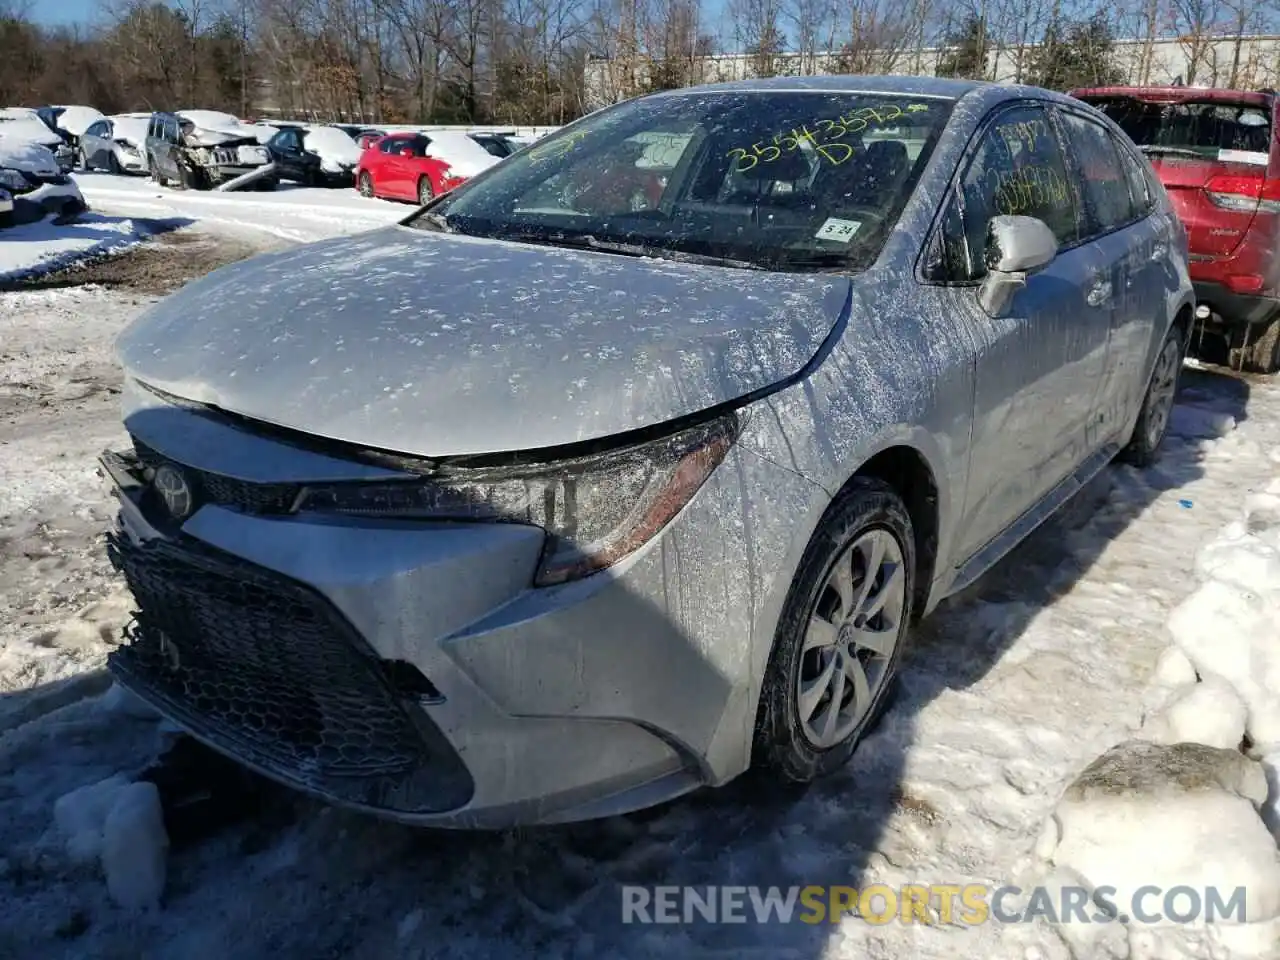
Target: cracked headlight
13,179
595,509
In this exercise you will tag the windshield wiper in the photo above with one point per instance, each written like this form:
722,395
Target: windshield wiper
1173,151
588,242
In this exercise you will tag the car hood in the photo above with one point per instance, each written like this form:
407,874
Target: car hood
440,345
30,157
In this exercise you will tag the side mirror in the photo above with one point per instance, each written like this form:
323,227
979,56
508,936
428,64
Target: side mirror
1016,248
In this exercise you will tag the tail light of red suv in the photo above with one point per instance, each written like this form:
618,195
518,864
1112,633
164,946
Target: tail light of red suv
1257,195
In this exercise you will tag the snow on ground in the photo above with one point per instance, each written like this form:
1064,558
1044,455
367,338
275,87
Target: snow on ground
46,245
1009,692
299,214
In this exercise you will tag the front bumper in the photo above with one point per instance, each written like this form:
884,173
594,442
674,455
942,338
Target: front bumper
408,669
55,195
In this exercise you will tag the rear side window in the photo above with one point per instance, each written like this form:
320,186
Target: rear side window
1135,170
391,145
1206,129
1017,169
1108,204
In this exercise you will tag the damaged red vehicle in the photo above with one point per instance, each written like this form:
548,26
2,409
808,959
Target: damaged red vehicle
1216,153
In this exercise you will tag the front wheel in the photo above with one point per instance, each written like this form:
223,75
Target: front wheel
426,193
840,637
82,160
366,184
1157,406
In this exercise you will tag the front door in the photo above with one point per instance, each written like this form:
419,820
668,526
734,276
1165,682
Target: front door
1038,367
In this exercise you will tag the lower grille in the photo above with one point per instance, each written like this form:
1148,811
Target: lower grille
267,670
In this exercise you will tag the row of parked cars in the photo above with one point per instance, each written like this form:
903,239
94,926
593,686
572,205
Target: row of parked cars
206,149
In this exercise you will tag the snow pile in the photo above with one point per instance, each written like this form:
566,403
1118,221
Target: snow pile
77,119
121,825
48,245
1190,804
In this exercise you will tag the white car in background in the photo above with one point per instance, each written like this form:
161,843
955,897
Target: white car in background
34,183
24,125
116,144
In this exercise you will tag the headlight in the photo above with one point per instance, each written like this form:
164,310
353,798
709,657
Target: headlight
596,509
13,179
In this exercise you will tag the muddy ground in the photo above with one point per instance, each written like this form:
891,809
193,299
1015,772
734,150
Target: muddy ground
157,266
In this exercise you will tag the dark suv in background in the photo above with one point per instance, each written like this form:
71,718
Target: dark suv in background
1216,154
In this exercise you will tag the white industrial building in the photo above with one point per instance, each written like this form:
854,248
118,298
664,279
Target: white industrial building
1253,62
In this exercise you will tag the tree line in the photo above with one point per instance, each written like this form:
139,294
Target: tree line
530,61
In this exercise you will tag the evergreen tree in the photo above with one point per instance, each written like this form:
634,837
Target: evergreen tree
1075,53
966,53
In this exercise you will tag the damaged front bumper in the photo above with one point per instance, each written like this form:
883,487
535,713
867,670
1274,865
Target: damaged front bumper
406,669
224,163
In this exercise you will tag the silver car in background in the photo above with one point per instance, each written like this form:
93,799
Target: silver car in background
115,144
621,469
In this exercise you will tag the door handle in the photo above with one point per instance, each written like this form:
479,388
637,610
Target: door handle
1099,294
1160,251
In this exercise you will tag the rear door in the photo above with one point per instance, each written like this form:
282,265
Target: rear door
1133,248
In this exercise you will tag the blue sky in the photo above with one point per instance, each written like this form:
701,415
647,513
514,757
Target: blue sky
64,11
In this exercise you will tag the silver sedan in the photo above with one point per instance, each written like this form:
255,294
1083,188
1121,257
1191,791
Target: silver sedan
631,463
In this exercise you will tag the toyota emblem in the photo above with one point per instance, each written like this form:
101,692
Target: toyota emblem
175,491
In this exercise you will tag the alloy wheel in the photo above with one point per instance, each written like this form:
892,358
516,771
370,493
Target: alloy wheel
850,638
366,184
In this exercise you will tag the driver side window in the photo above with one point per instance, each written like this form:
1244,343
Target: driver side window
1018,169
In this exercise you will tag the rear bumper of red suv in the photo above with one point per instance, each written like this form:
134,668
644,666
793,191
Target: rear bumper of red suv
1235,309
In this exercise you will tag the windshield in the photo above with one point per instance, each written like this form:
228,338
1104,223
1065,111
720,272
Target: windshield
786,180
1207,129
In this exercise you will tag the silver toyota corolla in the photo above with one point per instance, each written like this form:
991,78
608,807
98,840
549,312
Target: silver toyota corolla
630,463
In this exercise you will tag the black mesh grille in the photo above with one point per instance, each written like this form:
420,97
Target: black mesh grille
227,491
267,670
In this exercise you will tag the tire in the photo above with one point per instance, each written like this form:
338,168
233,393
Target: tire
6,219
426,192
365,184
154,171
1143,448
1264,354
113,165
787,744
82,160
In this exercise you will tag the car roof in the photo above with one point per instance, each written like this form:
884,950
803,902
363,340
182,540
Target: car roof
848,83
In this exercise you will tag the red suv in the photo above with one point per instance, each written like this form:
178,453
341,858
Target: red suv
1217,155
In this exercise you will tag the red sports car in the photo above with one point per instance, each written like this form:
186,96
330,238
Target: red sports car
419,166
